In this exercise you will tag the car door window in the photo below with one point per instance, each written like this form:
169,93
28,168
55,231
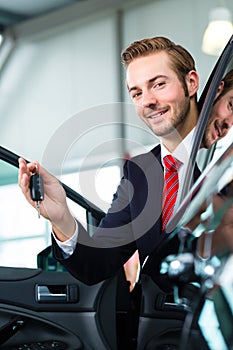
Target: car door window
223,116
21,233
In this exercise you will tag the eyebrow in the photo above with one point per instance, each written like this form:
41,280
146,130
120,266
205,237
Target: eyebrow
152,80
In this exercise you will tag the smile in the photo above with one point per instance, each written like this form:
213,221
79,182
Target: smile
157,115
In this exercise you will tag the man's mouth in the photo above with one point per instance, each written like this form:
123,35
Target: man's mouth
156,115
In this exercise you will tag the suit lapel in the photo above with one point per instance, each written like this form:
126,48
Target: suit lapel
147,226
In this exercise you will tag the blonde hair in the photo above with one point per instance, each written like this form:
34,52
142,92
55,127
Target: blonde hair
181,60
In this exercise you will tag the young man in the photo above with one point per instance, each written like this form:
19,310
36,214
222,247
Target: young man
162,81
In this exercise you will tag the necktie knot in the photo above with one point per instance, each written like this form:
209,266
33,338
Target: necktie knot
171,164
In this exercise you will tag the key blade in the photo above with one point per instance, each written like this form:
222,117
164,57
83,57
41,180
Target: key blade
38,208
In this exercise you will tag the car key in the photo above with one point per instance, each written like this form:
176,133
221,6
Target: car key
37,190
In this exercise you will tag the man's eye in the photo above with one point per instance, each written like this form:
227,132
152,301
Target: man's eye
158,85
137,94
231,105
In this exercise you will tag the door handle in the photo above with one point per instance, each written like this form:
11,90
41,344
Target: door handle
67,293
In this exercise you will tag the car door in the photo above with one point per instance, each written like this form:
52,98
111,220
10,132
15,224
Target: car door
45,307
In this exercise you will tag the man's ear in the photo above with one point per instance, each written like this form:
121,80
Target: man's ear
220,88
192,80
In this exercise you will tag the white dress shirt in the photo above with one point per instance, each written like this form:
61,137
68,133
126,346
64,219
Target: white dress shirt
181,153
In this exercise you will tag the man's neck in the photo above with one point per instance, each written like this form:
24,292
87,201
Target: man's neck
183,149
173,140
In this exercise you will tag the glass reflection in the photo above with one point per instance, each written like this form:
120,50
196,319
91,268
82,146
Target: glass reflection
221,117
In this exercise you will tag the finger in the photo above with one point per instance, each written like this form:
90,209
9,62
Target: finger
22,170
27,168
31,167
25,172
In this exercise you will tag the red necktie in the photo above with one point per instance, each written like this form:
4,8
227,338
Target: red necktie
170,190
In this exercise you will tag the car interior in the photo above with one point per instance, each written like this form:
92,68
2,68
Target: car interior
44,307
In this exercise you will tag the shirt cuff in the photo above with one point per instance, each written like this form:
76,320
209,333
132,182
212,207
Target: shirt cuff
68,246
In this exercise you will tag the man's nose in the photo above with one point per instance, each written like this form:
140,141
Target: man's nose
228,121
226,125
148,99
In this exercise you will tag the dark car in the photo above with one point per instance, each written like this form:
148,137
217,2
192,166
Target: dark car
44,307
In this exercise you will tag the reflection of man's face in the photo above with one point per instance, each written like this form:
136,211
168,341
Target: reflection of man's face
220,120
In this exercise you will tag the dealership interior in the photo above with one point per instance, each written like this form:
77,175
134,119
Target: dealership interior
64,103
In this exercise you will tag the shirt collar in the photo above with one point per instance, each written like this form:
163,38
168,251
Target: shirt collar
182,151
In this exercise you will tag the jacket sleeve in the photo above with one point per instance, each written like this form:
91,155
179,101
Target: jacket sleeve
102,255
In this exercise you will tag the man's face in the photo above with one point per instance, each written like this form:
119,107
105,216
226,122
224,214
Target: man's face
158,95
220,120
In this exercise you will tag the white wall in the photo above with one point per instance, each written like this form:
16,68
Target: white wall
52,78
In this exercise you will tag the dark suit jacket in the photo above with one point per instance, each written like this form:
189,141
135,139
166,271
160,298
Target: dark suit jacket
133,222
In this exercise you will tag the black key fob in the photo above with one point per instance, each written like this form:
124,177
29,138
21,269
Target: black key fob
37,188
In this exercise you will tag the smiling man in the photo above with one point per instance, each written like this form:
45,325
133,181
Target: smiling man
162,82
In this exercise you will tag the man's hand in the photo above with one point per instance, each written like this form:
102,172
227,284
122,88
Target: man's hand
54,206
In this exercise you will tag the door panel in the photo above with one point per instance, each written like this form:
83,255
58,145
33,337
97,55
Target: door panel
86,320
